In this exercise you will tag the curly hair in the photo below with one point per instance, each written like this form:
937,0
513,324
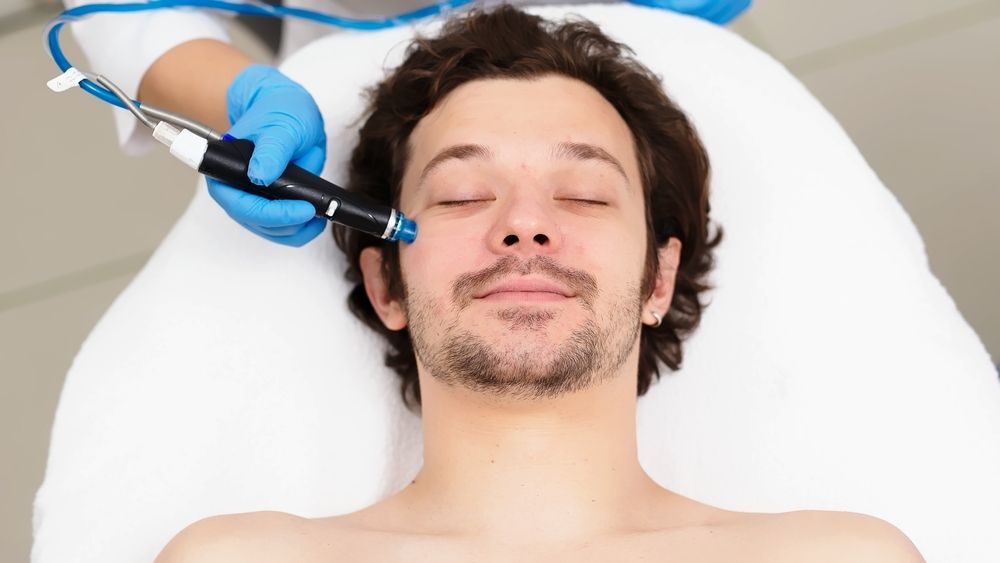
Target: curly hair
510,44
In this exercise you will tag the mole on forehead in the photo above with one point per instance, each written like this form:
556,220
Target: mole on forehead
564,150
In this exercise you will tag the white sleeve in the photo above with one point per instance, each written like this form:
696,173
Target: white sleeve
122,46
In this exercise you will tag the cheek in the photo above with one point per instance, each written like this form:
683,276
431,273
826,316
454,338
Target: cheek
618,271
614,247
437,256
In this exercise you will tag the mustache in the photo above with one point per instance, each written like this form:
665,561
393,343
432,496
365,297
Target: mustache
579,281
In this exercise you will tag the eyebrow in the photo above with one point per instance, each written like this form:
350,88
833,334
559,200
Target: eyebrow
564,150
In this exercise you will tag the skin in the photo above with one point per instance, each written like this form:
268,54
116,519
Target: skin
192,79
520,467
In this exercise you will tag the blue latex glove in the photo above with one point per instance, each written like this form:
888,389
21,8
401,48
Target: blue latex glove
284,123
716,11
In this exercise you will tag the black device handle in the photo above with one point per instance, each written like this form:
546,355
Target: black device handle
228,161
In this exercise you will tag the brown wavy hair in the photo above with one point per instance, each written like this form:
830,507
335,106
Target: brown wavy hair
511,44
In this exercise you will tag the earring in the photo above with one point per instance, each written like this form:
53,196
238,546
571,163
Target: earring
658,318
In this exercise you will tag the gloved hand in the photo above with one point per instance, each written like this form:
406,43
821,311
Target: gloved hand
284,123
716,11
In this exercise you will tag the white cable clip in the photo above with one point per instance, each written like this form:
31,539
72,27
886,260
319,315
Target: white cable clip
66,80
185,145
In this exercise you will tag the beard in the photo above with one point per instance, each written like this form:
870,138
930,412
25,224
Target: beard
529,367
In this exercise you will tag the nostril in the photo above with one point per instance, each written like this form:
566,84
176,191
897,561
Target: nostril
510,240
541,239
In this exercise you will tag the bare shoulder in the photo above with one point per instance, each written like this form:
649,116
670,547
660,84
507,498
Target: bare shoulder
246,537
830,536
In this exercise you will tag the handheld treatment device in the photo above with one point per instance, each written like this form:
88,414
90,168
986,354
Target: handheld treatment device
226,158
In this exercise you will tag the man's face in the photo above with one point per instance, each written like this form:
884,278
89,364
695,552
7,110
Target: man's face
525,277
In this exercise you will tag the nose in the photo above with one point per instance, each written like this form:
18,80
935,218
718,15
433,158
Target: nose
526,225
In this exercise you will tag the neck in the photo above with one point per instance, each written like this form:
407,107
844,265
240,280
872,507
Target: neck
553,469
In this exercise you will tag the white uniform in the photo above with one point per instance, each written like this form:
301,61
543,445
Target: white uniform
123,46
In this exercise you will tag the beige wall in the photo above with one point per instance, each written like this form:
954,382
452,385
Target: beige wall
913,81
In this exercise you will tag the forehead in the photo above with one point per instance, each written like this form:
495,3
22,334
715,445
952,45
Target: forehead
520,120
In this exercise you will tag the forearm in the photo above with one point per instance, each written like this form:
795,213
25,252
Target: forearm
192,79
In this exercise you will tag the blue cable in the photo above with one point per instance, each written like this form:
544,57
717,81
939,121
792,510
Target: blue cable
79,12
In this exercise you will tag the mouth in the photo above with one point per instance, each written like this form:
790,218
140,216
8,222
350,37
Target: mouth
526,289
524,296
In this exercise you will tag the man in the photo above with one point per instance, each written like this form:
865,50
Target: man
563,210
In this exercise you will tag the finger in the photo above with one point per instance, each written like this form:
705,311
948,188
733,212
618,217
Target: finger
291,229
274,147
729,11
280,213
693,7
258,211
312,230
313,159
279,231
235,202
308,232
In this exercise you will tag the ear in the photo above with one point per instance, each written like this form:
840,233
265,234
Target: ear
377,287
663,291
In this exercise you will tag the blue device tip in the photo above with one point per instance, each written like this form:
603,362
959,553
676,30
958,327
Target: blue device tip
406,229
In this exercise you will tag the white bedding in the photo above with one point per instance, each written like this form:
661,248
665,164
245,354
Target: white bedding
832,370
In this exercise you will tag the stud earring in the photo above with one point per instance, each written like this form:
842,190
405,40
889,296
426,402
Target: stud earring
659,319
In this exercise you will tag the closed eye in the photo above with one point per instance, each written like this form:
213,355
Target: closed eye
459,202
463,202
588,202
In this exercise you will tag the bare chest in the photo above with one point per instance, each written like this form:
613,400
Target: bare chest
701,545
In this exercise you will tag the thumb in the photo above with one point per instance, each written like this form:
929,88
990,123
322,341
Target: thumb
274,147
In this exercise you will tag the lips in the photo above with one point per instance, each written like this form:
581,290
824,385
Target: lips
526,287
